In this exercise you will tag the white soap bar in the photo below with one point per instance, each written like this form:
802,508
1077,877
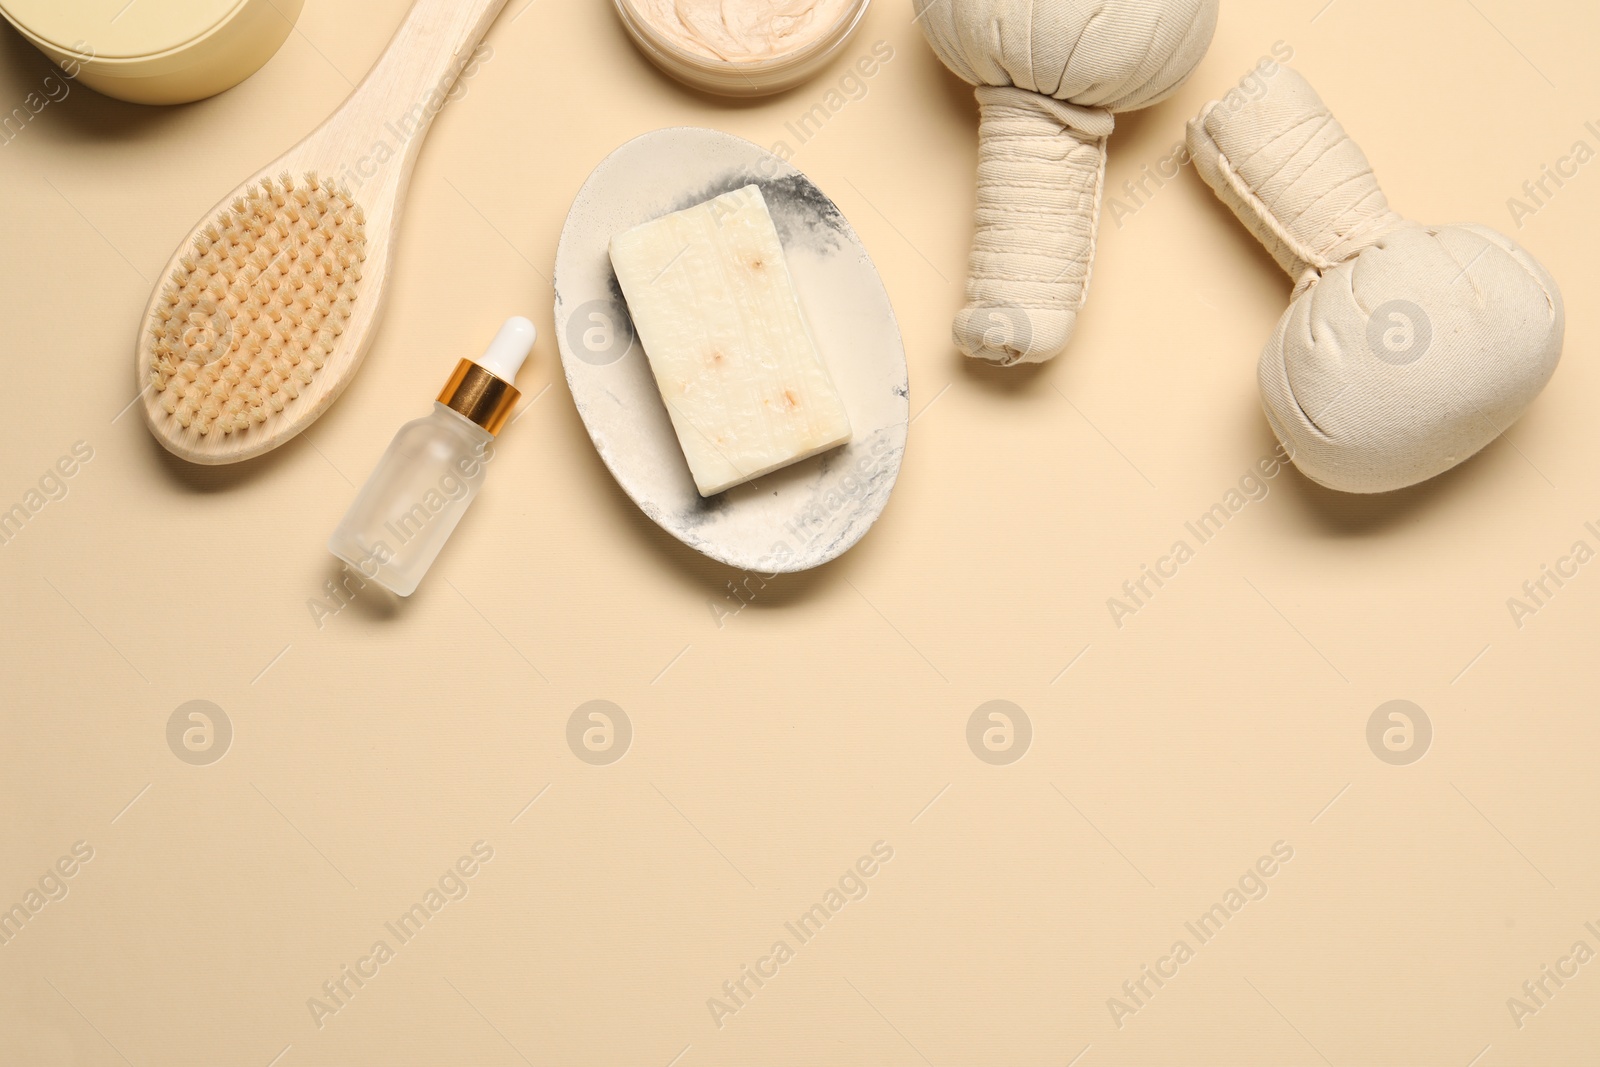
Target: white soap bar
710,295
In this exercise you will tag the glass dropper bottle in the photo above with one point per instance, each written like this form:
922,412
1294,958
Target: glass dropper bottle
433,469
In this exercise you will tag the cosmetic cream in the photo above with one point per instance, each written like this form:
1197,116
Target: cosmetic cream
741,47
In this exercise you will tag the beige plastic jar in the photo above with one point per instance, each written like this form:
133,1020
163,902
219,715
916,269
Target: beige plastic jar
757,72
156,51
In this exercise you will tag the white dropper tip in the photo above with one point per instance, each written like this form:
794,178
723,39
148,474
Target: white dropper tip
510,347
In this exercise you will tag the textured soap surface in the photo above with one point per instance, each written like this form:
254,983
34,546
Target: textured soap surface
710,295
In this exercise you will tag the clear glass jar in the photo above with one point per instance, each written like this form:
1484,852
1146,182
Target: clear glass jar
739,77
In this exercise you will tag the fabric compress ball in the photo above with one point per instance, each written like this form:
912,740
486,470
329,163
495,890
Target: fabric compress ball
1406,348
1051,75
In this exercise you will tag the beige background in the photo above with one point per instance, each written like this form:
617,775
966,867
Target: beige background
771,751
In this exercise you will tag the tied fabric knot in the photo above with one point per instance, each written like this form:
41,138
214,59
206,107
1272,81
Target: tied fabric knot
1405,348
1050,77
1041,169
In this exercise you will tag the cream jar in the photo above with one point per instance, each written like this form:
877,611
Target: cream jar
155,51
741,47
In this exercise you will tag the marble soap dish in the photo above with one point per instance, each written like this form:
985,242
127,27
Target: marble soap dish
791,519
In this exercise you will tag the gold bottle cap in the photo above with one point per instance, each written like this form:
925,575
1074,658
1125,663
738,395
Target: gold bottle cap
479,395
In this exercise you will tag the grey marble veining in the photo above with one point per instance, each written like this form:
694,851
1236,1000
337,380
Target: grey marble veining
792,519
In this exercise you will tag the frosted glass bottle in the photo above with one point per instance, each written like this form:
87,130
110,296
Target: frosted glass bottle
433,469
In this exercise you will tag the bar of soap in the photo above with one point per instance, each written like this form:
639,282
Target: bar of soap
710,295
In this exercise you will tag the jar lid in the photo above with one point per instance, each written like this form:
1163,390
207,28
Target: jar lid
119,29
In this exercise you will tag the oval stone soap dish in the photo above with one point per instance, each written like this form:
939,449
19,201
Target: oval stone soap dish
791,519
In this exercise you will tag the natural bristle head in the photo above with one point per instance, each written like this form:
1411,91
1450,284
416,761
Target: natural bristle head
256,308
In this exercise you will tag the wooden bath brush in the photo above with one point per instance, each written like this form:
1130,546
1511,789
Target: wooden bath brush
264,313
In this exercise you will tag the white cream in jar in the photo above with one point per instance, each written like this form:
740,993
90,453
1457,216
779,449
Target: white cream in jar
740,47
742,30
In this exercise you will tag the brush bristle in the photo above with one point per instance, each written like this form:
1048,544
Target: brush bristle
257,307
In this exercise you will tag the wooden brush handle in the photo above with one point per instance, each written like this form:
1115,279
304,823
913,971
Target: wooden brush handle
399,97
